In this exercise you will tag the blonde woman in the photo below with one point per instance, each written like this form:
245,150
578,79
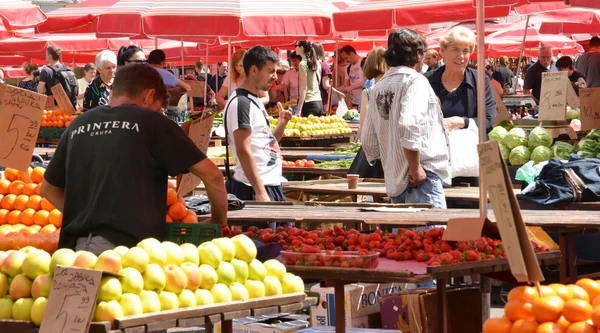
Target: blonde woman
237,78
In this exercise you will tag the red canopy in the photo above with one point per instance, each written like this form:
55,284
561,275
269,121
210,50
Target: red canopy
570,21
20,14
76,18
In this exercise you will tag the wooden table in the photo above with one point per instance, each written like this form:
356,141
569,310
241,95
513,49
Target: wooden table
338,277
298,153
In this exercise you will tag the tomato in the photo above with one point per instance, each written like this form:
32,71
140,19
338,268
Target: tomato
309,164
299,163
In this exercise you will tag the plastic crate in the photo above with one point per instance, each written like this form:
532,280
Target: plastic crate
179,232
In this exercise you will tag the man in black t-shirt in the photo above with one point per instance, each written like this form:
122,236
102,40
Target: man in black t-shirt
110,170
503,74
533,76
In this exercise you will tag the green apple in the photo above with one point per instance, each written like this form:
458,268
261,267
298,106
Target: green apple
108,261
190,253
28,249
154,278
108,311
6,305
175,255
226,273
255,288
193,273
3,284
85,259
36,263
150,301
168,301
21,309
241,270
210,254
203,297
20,287
121,250
292,284
131,304
132,281
176,279
11,265
275,268
41,286
63,257
226,246
209,277
272,286
238,292
221,293
37,310
137,258
245,249
256,270
3,255
110,289
186,299
156,253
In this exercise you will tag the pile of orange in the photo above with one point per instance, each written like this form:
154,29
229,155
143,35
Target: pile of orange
56,118
24,213
556,308
177,209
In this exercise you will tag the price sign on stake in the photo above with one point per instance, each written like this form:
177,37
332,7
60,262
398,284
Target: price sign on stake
521,258
553,96
62,99
590,108
20,119
71,301
502,112
200,130
197,88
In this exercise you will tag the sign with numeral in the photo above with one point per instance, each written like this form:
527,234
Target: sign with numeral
20,119
553,96
200,130
590,108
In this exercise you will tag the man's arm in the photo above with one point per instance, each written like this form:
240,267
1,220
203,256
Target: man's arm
284,118
214,183
54,194
417,174
41,89
243,138
184,85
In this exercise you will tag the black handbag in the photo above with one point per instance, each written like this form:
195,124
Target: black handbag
360,166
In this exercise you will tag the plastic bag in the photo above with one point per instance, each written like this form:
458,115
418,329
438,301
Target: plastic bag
529,171
464,159
342,109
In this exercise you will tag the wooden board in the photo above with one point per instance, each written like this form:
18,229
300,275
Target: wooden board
315,171
375,188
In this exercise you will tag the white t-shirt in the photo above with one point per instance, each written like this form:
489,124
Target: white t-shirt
291,82
356,75
245,110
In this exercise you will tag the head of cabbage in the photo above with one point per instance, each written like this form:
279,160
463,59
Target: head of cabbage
586,154
540,136
505,152
562,150
515,137
572,113
588,145
519,156
541,154
594,134
498,133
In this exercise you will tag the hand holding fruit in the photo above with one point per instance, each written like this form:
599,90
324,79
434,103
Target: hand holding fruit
284,115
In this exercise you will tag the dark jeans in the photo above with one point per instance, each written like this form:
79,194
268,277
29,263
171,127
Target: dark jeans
315,108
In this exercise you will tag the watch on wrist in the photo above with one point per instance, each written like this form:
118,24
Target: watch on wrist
466,120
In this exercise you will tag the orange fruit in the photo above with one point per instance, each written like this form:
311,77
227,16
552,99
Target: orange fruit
562,291
60,124
26,216
29,189
517,309
547,291
177,211
191,217
577,310
182,201
581,327
547,309
4,184
549,328
35,202
563,323
13,217
579,293
171,197
590,286
16,187
28,231
24,176
4,216
525,293
497,325
48,229
170,185
55,218
169,219
37,175
524,326
21,202
35,227
46,205
44,122
41,218
8,202
37,188
11,174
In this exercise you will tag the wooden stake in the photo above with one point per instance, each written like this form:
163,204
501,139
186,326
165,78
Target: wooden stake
539,288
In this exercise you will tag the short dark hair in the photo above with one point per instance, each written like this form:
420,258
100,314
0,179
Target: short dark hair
564,62
199,64
595,41
293,56
219,64
29,68
259,56
157,57
404,46
348,49
133,79
125,53
89,66
54,52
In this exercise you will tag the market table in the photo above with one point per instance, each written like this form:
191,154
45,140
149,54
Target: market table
391,271
315,141
298,153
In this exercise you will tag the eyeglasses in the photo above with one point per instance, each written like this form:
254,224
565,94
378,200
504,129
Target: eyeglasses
296,45
138,61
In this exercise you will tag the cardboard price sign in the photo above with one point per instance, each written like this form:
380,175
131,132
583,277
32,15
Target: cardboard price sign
198,88
590,108
20,119
63,100
521,258
466,229
572,98
200,130
553,96
502,112
71,301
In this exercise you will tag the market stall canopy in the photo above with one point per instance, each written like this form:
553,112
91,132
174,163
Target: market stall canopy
570,21
37,43
13,73
17,60
76,18
19,14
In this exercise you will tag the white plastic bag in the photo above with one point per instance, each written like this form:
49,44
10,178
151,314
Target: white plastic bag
464,159
342,108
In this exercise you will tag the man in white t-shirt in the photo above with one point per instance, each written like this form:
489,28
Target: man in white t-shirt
258,173
356,76
291,79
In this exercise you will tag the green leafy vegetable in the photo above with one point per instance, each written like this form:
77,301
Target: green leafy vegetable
541,154
519,156
498,133
562,150
586,153
540,136
505,152
515,137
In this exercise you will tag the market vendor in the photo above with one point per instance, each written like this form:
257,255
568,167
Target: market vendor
109,172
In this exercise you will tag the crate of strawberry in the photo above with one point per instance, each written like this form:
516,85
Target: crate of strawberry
308,255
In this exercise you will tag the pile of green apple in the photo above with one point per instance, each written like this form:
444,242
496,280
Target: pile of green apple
311,125
155,277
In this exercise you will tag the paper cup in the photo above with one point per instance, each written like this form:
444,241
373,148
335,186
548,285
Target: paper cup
352,181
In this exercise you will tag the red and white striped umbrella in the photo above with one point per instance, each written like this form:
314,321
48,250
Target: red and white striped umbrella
18,15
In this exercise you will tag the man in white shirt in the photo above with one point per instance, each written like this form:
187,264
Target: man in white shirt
405,127
291,79
356,77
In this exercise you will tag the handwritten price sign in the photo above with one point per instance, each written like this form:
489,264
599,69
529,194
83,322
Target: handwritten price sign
71,301
590,108
198,88
62,99
20,119
200,131
553,96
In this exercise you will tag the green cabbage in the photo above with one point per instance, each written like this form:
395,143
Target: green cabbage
594,135
586,153
541,154
539,136
572,113
562,150
505,152
519,156
515,137
498,134
588,145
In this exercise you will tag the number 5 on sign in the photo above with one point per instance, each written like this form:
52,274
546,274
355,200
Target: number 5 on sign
20,119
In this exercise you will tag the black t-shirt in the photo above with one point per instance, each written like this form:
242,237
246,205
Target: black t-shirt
503,75
533,79
113,163
47,76
573,78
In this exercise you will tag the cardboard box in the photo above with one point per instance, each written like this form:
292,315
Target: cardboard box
415,311
275,323
360,301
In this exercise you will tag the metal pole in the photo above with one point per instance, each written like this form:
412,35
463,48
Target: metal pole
335,78
206,77
481,96
155,43
521,55
230,64
182,61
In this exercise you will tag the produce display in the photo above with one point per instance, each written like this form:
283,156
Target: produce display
351,149
351,114
573,308
177,208
343,163
311,126
303,163
274,111
56,118
155,277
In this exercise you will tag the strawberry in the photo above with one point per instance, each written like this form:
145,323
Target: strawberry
337,230
472,256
